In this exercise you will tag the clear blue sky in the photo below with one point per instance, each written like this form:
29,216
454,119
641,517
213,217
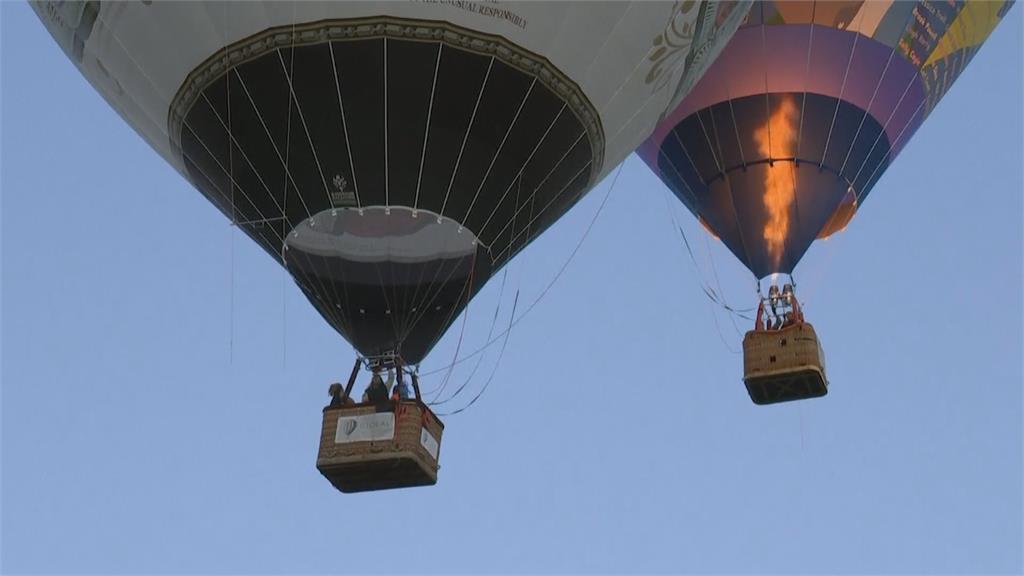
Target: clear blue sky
162,379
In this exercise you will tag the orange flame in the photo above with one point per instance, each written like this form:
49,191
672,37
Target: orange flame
777,139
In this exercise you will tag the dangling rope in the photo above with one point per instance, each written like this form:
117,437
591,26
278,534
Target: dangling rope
497,308
234,212
501,353
284,210
462,331
708,290
514,320
479,360
718,283
494,319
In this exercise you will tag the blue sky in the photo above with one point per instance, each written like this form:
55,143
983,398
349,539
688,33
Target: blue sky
162,378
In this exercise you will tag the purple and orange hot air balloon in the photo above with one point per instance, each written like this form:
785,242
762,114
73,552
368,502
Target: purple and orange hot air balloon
783,138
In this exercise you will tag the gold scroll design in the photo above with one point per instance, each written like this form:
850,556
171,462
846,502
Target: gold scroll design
717,24
672,42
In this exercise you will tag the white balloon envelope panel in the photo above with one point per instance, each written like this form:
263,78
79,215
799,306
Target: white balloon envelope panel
392,155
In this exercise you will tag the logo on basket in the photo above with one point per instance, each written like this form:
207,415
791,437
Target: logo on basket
350,427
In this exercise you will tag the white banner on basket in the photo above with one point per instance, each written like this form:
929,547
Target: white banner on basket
377,426
428,442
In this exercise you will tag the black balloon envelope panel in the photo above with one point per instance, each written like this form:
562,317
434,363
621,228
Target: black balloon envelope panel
789,130
392,180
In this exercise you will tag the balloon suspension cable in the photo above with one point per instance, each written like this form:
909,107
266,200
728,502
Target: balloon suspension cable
480,358
497,363
503,335
462,331
709,291
718,284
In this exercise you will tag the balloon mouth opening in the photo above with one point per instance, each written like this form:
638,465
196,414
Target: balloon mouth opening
396,234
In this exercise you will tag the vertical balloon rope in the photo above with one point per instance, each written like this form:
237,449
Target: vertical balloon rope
234,214
842,89
830,250
867,109
718,286
344,127
262,218
480,358
807,80
468,292
910,18
725,180
858,195
465,137
497,152
686,187
735,128
320,290
426,127
519,173
515,320
430,296
389,303
384,75
497,363
413,318
288,71
494,320
533,195
712,296
497,308
284,222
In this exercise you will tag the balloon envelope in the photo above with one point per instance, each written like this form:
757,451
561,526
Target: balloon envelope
786,134
392,155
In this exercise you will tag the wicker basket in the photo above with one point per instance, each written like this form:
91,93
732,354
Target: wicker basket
376,447
783,365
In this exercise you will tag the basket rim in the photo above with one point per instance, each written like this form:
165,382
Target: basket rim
388,406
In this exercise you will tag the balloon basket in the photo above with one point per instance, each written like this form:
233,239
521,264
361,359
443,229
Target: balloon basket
784,365
379,446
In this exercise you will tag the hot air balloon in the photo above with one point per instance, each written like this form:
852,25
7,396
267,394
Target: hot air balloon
783,138
392,156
